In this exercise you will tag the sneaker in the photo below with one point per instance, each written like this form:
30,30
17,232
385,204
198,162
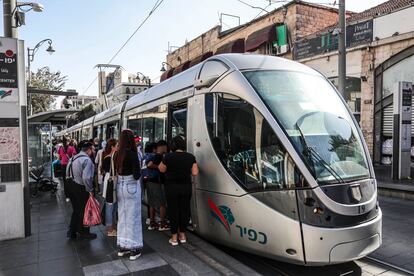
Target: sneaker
153,226
111,233
173,243
164,227
123,252
135,254
148,221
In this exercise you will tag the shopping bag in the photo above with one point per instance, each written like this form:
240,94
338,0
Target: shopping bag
92,215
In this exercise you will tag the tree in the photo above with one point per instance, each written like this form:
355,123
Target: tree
47,80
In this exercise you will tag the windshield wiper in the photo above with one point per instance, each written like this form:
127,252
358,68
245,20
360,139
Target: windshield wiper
312,154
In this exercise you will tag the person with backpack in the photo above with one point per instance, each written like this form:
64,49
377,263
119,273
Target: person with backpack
80,171
155,188
65,152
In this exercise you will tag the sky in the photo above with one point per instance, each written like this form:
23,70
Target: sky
88,32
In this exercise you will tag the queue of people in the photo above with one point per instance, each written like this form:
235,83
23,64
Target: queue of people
119,173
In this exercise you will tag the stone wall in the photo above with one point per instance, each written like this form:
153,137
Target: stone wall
301,19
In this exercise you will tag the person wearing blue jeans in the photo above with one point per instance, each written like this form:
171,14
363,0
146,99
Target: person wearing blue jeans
128,192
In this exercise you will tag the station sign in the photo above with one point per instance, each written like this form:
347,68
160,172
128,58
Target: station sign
356,34
9,99
8,71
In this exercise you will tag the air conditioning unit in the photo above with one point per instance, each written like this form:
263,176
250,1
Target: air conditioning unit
283,49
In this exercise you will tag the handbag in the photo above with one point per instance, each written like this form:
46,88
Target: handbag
92,215
110,189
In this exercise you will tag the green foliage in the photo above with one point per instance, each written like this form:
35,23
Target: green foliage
47,80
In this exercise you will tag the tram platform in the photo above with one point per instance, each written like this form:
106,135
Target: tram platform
394,188
48,252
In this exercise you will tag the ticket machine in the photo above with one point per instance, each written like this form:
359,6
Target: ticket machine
401,158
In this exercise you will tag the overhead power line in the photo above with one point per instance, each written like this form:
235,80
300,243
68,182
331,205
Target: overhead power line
154,8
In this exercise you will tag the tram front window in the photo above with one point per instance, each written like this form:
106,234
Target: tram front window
317,122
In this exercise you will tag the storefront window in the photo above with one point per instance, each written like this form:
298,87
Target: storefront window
401,71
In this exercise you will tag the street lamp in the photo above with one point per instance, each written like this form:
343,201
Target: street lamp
144,78
19,13
31,53
163,66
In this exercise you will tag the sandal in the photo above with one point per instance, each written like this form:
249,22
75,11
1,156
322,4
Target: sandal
173,243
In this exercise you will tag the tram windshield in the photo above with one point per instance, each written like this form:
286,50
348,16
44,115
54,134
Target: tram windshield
317,122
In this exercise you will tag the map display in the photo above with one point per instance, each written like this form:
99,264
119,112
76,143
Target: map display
9,144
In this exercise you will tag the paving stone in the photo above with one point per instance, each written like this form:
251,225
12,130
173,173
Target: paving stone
108,268
21,271
159,271
146,261
374,269
55,267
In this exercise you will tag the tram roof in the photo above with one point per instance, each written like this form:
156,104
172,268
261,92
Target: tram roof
237,61
113,111
178,82
88,121
263,62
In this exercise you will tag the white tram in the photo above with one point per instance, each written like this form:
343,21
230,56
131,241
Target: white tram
284,170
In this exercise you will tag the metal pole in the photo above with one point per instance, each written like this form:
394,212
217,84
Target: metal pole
342,49
29,77
24,137
10,30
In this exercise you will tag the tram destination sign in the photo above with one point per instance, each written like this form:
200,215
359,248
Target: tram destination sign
356,34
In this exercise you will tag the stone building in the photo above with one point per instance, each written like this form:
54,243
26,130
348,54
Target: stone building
380,52
273,34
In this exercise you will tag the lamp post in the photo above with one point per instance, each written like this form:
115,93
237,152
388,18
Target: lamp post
144,78
163,66
31,53
30,57
13,15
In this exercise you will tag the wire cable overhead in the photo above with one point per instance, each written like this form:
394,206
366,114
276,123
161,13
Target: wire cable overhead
154,8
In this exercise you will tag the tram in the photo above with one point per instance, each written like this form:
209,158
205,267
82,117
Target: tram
284,170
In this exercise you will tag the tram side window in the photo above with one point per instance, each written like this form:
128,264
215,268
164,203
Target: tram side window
278,171
235,141
135,125
247,146
154,124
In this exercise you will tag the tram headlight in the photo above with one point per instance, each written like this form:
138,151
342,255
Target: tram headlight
318,211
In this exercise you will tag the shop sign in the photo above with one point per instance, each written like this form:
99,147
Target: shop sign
356,34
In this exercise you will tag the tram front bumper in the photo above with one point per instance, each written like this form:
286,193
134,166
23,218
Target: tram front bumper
337,245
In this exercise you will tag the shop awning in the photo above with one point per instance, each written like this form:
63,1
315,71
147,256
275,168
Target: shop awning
167,74
258,38
201,58
235,46
182,67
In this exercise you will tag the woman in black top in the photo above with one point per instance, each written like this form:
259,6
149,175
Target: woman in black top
178,167
129,235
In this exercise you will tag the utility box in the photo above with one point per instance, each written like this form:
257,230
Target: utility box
401,157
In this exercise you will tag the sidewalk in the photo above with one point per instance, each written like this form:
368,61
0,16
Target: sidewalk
48,252
394,188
